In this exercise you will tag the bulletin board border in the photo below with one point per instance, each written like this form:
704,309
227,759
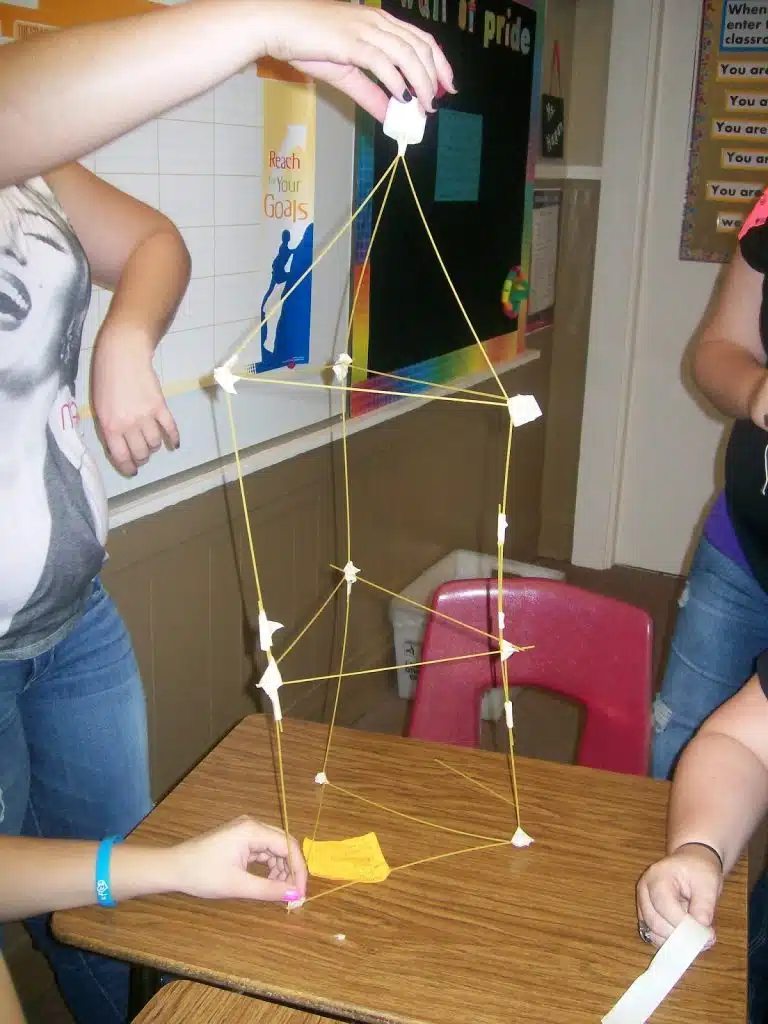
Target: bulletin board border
709,42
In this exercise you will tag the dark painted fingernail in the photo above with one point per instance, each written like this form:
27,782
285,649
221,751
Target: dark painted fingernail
765,419
407,96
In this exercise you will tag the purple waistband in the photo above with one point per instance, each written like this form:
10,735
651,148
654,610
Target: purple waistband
720,533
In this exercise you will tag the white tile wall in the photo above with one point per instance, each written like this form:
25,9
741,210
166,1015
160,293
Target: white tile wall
227,337
188,199
185,147
197,306
237,296
198,109
240,100
237,249
188,355
237,200
200,165
237,149
199,242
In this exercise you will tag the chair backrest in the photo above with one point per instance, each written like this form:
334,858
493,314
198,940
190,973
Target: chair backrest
593,649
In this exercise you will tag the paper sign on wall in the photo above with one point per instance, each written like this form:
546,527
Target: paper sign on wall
728,162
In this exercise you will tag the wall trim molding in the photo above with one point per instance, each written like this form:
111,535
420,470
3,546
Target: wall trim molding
129,508
568,172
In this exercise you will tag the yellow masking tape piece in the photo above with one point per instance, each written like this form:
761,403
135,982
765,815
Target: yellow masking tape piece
347,860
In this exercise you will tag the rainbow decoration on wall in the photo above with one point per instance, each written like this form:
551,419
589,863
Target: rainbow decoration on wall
466,361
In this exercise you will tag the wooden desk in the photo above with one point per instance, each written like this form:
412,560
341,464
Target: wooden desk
186,1002
546,933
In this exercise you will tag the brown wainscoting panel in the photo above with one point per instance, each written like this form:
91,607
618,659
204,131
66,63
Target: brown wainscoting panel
570,341
181,619
421,485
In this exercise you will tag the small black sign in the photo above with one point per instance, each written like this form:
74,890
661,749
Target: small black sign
553,113
552,127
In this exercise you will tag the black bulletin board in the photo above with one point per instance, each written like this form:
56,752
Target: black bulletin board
412,315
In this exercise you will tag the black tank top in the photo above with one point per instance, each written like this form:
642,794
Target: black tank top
746,460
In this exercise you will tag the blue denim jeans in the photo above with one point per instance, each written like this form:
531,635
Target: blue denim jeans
721,628
74,765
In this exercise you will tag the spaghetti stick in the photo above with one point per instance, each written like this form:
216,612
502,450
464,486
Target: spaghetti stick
261,378
347,513
430,611
391,668
410,817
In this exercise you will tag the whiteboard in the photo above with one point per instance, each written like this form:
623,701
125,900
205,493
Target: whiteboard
201,165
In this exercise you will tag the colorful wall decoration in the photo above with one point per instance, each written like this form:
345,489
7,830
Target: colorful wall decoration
288,211
728,165
474,173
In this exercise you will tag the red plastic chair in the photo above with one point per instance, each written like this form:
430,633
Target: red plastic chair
592,649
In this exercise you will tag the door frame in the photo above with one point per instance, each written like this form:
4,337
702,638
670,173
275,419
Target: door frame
627,158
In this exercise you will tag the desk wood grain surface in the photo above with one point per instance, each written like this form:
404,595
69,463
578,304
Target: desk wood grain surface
187,1002
546,933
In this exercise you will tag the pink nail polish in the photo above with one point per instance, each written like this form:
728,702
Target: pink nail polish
291,895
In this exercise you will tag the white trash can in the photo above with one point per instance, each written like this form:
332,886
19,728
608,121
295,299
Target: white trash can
409,623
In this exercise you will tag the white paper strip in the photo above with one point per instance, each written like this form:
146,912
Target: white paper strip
645,995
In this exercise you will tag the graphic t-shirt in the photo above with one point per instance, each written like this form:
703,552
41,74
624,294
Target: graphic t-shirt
738,523
53,514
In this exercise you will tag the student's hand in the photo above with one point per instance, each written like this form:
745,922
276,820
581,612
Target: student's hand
215,865
338,42
687,882
128,403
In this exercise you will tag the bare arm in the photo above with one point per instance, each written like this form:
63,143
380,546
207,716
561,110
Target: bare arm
136,252
133,250
719,795
729,361
720,791
64,94
41,875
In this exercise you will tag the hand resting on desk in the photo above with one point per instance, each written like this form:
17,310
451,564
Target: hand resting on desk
41,875
718,798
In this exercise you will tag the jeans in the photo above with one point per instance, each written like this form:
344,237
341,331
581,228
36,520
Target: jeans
74,765
721,628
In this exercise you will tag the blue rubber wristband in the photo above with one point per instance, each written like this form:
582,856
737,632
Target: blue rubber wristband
103,883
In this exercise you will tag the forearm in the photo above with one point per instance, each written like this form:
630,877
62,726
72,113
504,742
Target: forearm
41,875
150,289
65,94
719,796
728,375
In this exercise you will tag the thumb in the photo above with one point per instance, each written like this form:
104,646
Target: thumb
702,905
251,887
